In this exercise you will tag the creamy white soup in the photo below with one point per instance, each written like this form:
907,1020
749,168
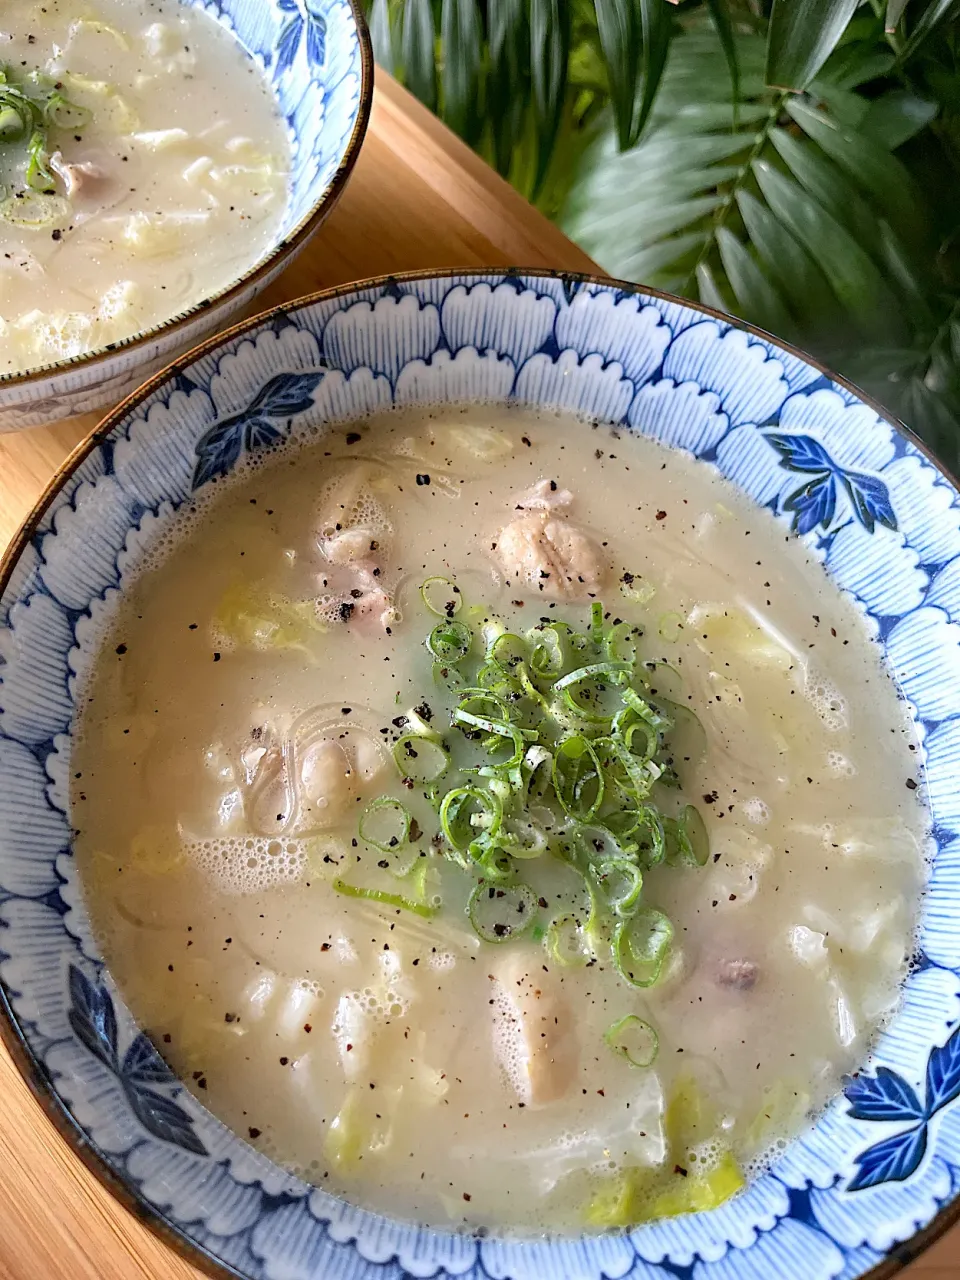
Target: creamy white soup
499,821
143,167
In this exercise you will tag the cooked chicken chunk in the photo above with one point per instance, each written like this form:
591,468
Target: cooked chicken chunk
543,549
533,1028
550,554
353,538
545,495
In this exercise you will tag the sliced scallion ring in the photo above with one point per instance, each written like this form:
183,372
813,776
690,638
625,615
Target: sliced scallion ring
578,778
467,813
501,912
385,824
566,942
620,882
634,1040
689,843
640,946
450,642
441,596
594,692
420,758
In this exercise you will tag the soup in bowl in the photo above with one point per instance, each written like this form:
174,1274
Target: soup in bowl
159,164
478,755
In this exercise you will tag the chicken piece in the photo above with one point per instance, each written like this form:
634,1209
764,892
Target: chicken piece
550,553
544,496
738,975
86,183
353,535
351,523
533,1028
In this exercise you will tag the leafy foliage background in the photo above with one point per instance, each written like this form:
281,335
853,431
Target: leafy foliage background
795,163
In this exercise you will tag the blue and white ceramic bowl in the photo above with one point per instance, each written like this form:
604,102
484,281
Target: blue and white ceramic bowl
315,55
877,1176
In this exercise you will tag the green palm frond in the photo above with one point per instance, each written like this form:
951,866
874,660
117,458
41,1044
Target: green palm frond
789,210
827,211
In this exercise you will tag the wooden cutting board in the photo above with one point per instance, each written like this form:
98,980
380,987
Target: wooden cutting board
418,198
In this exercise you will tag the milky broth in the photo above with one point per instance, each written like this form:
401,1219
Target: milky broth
171,187
399,1059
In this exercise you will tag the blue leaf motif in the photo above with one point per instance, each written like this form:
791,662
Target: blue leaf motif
92,1018
286,394
164,1118
288,43
259,433
813,504
943,1074
218,451
279,397
892,1160
800,453
316,39
142,1063
871,500
571,288
885,1096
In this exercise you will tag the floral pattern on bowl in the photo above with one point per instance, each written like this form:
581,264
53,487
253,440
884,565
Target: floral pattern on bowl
884,1159
316,57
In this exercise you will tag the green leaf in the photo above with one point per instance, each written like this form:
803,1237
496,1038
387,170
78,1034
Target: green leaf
757,299
655,24
619,32
802,35
936,12
417,51
829,186
549,53
864,160
896,116
894,13
508,82
708,291
851,272
462,47
852,65
721,20
381,37
785,261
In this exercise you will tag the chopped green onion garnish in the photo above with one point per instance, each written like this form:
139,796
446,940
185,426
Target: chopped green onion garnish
467,813
640,946
450,641
441,596
30,107
566,942
386,898
620,882
421,758
634,1040
385,823
567,740
688,842
501,912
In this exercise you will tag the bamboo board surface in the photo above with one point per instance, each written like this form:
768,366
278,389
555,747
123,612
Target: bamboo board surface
418,198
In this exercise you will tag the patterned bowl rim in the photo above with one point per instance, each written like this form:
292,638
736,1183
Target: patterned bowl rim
903,1254
281,252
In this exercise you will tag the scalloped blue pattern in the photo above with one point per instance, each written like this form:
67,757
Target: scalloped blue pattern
883,1159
